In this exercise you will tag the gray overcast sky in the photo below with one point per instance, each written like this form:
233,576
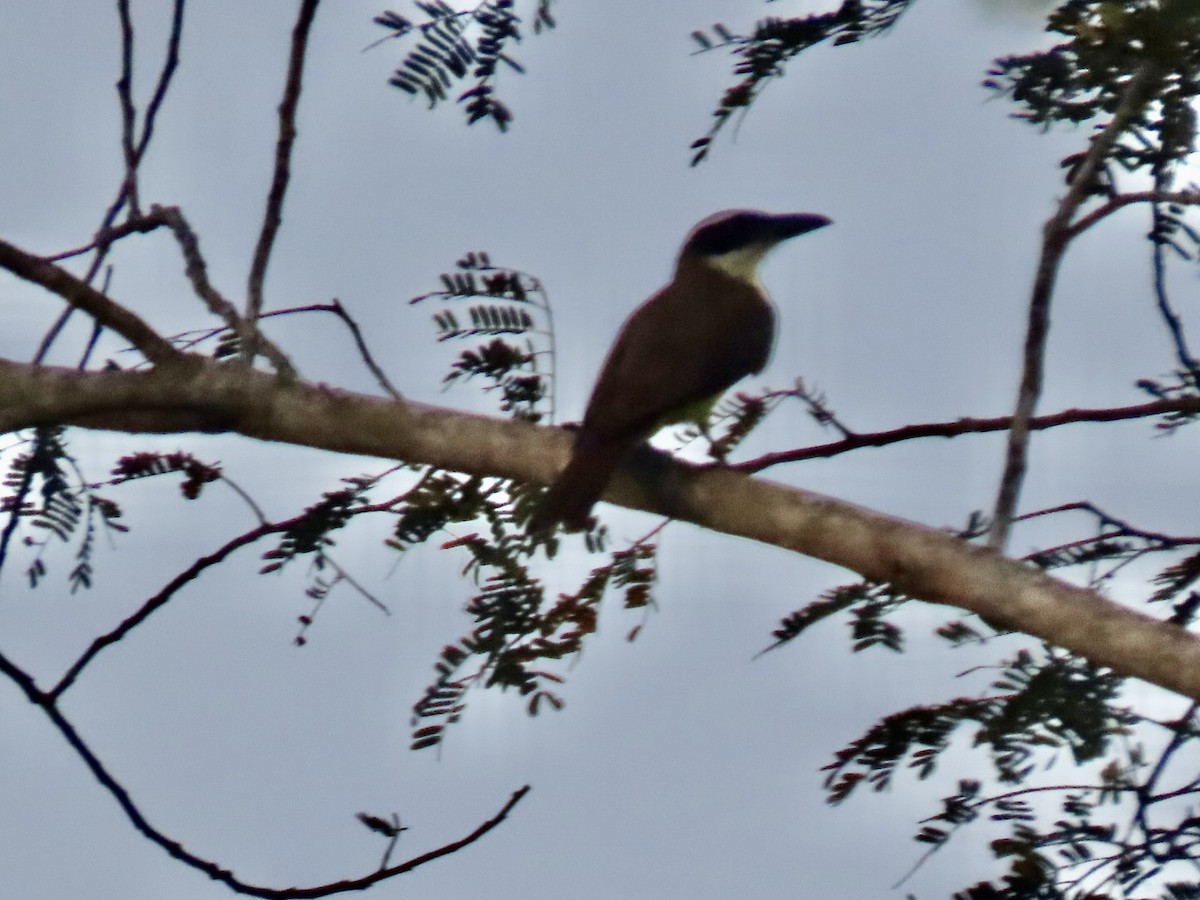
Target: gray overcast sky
680,767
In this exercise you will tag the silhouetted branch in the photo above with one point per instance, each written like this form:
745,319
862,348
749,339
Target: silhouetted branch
47,702
856,441
81,295
170,62
1119,526
359,341
1187,362
273,215
128,111
159,600
1057,236
1120,201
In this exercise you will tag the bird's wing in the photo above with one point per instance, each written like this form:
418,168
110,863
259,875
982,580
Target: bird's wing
679,348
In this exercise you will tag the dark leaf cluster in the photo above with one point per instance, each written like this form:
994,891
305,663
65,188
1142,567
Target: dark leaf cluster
310,532
146,465
1182,385
1046,703
517,632
44,487
1086,77
454,46
1176,578
1038,707
1055,701
761,56
515,305
868,603
441,498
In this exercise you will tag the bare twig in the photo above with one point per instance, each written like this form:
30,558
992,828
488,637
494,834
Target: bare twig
1106,520
128,181
1183,355
963,426
359,341
1120,201
160,599
1057,235
273,215
128,110
195,267
170,63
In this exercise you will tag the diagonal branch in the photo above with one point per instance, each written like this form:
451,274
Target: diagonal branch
81,295
127,190
273,215
188,575
46,703
170,63
1057,235
1120,201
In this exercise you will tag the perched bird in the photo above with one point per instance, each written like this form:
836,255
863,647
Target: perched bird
677,353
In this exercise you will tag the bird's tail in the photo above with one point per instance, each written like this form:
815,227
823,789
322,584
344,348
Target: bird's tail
572,496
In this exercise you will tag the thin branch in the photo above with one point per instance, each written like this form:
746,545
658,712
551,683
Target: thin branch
195,267
80,295
1120,201
46,702
344,575
128,110
109,236
170,64
1107,520
340,311
1057,236
128,182
159,600
963,426
196,270
1183,355
273,215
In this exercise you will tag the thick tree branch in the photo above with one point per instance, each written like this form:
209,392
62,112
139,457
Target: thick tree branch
922,562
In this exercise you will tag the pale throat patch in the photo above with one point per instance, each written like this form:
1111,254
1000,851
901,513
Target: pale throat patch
742,263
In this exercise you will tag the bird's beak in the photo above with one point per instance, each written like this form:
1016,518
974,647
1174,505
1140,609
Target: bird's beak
790,225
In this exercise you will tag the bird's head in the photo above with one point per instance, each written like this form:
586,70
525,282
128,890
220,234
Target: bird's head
736,240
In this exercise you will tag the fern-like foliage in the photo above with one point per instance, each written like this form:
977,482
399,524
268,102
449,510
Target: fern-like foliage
500,303
309,533
45,488
456,46
1084,77
146,465
868,605
760,57
518,634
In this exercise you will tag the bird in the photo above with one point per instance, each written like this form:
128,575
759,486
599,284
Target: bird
677,353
